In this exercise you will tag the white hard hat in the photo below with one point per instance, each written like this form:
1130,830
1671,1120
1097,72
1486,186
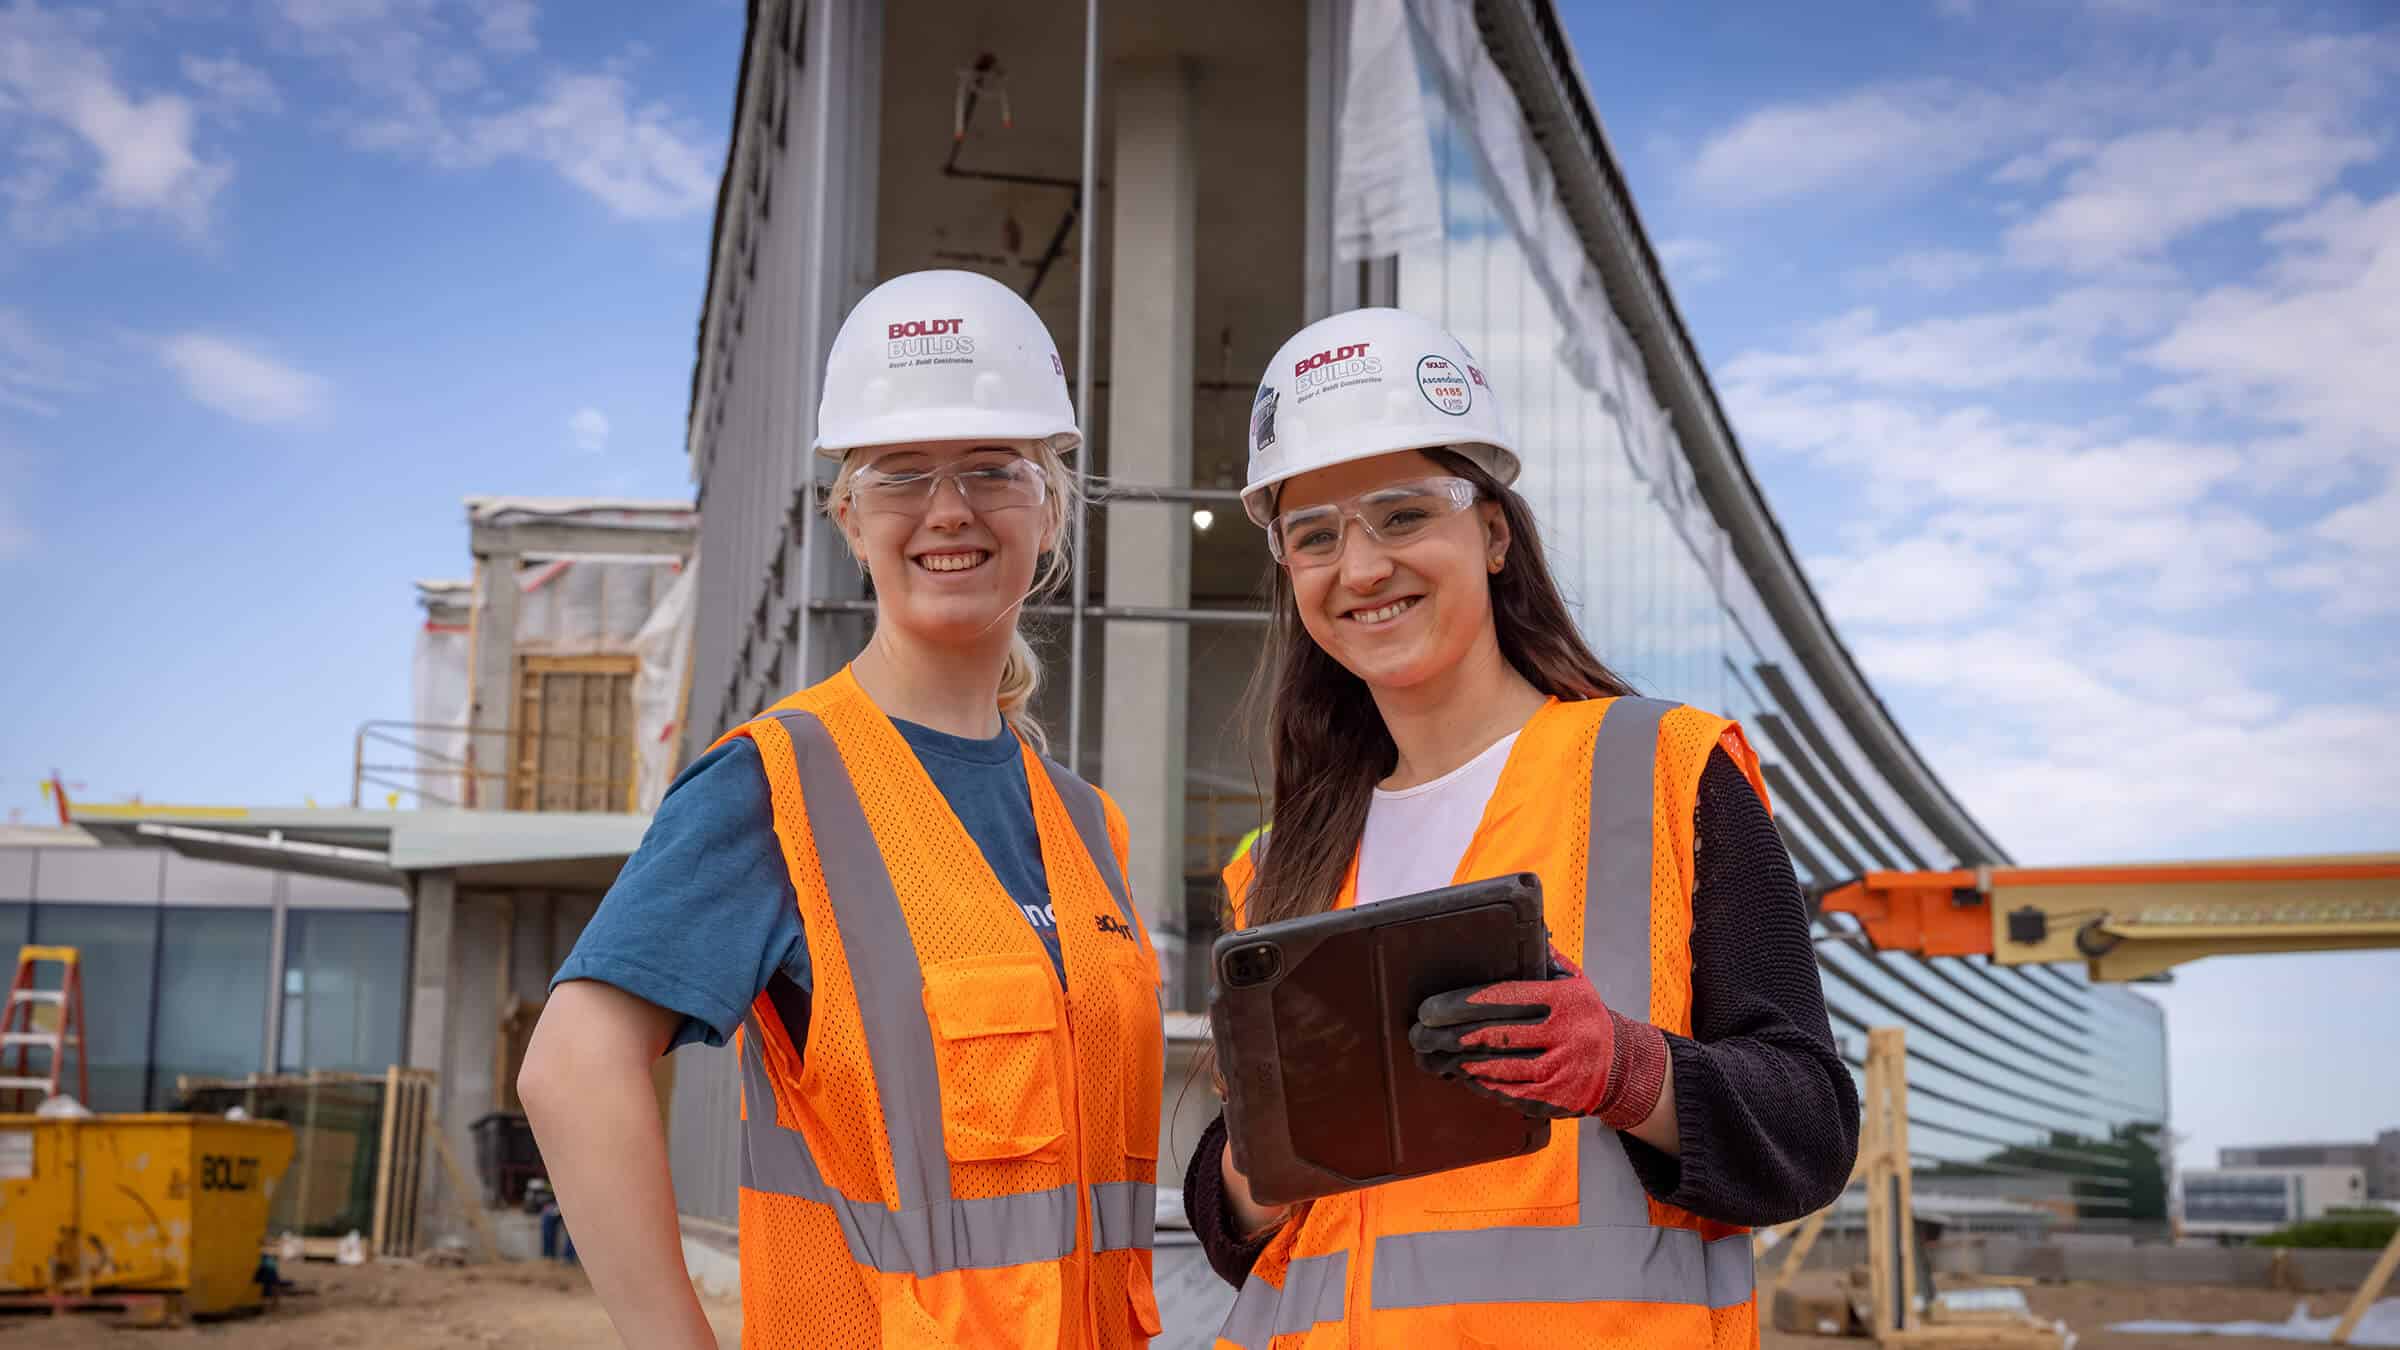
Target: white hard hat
943,356
1368,383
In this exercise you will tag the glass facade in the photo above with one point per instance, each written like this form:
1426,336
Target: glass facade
342,996
2025,1085
212,995
176,983
119,948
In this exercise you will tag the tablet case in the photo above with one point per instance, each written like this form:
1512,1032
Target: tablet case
1311,1019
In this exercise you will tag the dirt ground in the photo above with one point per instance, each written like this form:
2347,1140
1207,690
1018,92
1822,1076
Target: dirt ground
2090,1309
538,1306
383,1306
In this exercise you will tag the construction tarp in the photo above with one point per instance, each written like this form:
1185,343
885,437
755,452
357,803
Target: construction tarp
636,603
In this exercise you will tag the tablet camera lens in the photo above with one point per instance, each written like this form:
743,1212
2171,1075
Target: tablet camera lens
1248,966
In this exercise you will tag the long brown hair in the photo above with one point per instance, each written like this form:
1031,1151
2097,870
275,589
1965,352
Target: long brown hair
1327,746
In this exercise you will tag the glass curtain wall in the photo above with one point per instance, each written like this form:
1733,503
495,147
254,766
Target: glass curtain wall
183,990
212,995
2027,1085
342,994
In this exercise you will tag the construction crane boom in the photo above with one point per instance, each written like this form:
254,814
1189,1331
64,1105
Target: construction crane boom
2130,922
2134,922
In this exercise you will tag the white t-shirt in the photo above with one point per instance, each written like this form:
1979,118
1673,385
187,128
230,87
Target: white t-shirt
1416,836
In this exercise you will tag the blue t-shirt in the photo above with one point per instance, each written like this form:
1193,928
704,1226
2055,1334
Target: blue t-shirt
703,916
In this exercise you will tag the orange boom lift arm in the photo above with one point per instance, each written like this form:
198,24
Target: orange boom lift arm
2130,922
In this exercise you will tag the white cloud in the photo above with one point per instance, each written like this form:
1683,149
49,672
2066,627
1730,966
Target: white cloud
1916,580
2050,342
241,382
2138,193
1931,269
1778,153
508,26
425,89
639,161
2312,344
1694,262
234,83
2038,165
2071,759
34,372
590,429
2355,570
1897,135
68,117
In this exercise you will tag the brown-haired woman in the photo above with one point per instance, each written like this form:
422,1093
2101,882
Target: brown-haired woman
1436,717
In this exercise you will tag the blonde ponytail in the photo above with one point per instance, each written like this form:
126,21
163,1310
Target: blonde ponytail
1020,680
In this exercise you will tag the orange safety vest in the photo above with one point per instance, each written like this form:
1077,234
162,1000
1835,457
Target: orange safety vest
1563,1246
963,1153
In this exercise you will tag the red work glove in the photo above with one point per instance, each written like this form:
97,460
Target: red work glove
1547,1047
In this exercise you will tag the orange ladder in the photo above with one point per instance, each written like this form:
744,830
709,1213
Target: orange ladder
21,1026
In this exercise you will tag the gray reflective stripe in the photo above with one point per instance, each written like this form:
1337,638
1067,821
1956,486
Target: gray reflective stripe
1616,928
1561,1265
1091,822
1124,1215
1732,1271
1008,1230
883,964
1313,1287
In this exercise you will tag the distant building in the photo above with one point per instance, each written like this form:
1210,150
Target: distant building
2248,1201
2378,1160
417,924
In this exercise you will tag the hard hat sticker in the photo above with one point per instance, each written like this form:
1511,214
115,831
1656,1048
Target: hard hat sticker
1444,385
1335,368
1262,417
928,342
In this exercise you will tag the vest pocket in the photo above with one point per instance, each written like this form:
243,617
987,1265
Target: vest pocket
1143,1300
963,1309
1143,1036
995,1028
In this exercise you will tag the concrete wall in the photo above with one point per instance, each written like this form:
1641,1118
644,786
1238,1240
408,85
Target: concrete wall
502,947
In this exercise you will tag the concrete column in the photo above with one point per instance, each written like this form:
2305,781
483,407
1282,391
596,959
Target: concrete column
1150,442
433,920
433,914
494,684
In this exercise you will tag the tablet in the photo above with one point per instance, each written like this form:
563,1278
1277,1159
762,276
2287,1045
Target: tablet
1311,1019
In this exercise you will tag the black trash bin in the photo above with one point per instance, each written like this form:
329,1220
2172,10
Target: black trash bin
506,1158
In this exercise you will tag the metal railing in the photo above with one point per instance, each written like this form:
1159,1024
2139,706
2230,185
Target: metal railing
434,776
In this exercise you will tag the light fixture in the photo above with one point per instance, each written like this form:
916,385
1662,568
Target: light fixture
1203,518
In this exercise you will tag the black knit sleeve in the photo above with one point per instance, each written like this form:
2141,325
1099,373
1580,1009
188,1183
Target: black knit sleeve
1766,1111
1211,1218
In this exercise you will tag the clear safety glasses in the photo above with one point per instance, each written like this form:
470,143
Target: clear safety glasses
1391,514
991,484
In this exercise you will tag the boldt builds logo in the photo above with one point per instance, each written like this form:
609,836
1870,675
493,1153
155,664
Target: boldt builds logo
927,337
1333,367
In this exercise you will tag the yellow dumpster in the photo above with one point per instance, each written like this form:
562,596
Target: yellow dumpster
104,1206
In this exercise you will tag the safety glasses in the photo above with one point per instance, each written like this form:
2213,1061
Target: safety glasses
1391,514
992,484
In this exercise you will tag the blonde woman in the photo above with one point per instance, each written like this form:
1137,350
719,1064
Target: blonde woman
914,927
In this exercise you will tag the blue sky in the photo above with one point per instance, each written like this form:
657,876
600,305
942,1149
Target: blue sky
2061,332
2064,336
